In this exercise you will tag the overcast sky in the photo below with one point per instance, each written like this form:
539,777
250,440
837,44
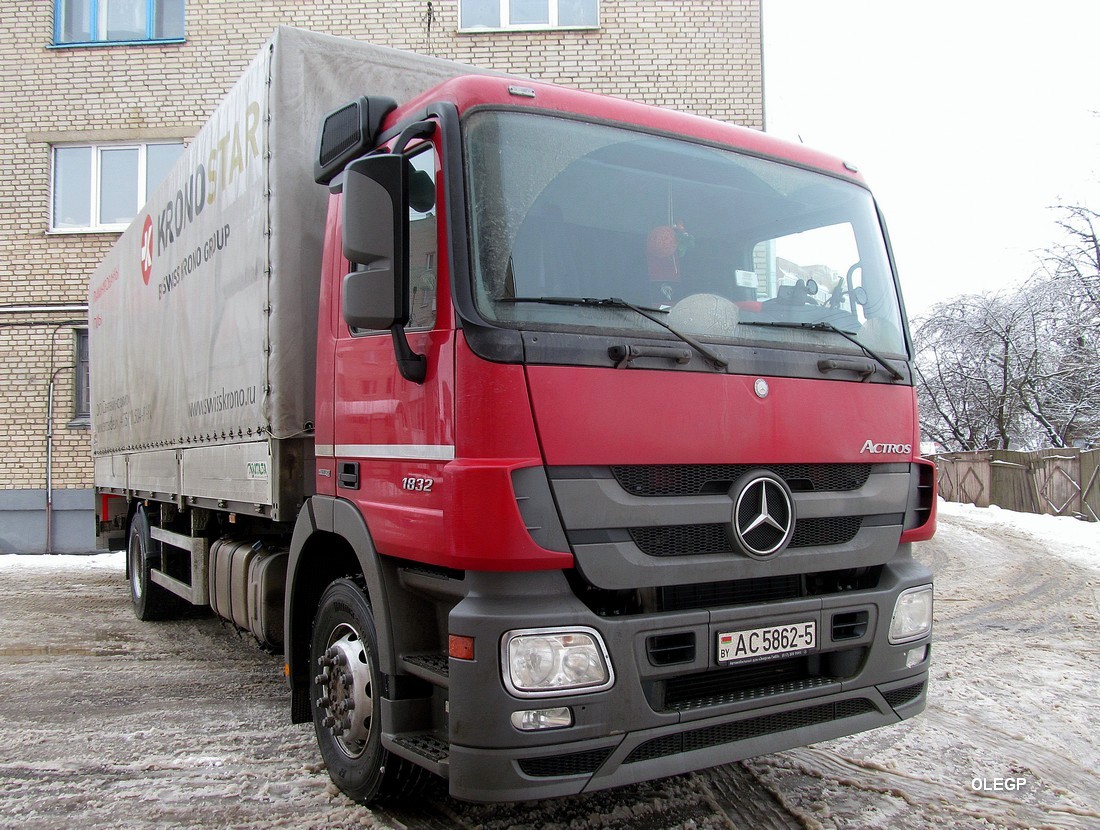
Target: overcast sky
969,119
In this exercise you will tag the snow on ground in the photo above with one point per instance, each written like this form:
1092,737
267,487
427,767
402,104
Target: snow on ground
108,722
1009,737
1063,536
68,563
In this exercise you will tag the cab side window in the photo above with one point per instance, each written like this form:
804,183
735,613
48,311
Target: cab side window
423,248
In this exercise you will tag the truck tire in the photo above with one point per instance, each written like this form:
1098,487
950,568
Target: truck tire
345,693
151,601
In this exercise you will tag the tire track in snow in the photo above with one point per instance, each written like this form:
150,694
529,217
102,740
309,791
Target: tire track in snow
1011,695
941,802
724,798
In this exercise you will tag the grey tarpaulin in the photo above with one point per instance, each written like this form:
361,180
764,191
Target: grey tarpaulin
202,317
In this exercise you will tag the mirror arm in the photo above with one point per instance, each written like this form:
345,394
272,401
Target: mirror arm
419,129
413,366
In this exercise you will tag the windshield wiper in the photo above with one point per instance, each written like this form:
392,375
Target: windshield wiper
823,326
649,313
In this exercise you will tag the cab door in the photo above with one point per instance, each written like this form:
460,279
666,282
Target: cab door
393,436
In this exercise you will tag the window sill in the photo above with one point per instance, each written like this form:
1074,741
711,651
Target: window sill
84,231
96,44
80,422
486,30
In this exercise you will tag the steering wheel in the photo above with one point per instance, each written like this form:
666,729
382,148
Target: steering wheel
843,287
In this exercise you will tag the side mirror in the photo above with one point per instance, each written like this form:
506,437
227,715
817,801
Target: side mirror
375,295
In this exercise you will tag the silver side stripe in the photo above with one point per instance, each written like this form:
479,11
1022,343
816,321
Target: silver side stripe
412,452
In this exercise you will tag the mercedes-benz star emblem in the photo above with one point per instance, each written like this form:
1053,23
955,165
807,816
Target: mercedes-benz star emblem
763,516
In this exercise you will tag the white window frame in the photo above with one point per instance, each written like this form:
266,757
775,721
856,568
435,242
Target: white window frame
97,148
507,26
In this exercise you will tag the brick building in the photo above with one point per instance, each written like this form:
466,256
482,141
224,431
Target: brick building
98,96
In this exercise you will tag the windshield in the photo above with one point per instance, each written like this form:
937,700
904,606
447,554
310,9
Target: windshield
718,240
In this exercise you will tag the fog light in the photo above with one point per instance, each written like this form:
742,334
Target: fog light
531,719
912,615
543,662
915,656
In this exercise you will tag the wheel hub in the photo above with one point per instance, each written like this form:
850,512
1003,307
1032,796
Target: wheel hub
346,700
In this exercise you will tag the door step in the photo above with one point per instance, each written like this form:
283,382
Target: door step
431,666
427,749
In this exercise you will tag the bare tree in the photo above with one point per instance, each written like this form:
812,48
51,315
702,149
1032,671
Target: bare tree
1075,264
966,372
1061,393
1021,368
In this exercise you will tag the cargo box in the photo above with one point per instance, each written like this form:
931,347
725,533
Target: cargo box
203,315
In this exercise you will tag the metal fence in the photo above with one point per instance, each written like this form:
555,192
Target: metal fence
1059,482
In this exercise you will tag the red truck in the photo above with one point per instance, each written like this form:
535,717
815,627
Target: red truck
576,447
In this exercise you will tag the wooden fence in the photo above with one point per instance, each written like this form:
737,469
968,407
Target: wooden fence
1060,482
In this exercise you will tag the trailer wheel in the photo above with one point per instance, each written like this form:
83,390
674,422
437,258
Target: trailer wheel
346,696
151,601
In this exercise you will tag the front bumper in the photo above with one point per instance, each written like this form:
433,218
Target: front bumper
664,718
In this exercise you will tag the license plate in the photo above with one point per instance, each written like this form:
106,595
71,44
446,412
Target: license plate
753,645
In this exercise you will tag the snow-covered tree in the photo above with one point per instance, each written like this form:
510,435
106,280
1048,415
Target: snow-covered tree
1019,369
966,371
1062,391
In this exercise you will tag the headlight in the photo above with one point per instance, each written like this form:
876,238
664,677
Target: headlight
544,662
912,615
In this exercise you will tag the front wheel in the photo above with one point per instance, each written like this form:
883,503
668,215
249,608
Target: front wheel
346,694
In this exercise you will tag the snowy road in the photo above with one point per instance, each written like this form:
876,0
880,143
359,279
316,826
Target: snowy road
108,722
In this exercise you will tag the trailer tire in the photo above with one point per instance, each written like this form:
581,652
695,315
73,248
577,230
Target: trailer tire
344,669
150,601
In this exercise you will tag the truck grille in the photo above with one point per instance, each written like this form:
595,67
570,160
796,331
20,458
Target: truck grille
688,540
738,684
907,694
764,589
714,479
669,649
634,529
742,730
577,763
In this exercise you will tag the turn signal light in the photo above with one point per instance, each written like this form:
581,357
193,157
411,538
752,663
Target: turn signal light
460,647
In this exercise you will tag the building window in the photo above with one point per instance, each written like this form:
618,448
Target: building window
88,22
99,187
480,15
82,391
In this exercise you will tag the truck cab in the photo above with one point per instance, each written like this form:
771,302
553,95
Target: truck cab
617,453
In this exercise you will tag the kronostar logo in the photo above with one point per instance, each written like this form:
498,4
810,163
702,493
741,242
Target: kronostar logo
213,170
871,447
147,250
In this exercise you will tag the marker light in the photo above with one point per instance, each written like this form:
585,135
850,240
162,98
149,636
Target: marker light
460,647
